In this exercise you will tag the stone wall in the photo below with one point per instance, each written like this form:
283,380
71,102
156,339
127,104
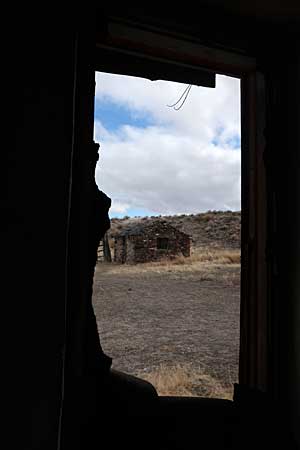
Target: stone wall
120,249
144,247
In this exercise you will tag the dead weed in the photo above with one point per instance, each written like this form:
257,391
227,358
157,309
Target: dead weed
185,381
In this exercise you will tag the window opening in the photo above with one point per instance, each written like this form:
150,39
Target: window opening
162,243
167,305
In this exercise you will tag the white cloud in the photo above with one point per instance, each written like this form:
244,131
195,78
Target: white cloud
118,207
172,167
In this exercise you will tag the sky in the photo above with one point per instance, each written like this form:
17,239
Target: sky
154,160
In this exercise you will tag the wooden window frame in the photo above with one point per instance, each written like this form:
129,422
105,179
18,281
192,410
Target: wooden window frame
254,345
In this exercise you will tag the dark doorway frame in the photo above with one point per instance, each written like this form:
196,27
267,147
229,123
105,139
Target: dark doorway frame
109,49
126,42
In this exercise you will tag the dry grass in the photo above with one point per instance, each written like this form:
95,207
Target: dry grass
206,255
184,381
201,260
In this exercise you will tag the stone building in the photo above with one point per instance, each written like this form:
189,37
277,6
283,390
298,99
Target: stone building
153,241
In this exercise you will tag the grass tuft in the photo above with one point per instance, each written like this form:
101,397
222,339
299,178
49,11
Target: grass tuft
184,381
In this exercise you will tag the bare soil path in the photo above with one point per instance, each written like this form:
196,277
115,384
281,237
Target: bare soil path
150,316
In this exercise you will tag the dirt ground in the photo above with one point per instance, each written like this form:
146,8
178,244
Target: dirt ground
151,315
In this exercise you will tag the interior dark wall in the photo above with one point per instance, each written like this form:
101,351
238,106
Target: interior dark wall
41,84
293,268
283,162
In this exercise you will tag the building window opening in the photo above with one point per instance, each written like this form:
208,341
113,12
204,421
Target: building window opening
162,243
168,303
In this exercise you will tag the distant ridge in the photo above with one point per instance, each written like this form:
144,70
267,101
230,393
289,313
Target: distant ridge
212,228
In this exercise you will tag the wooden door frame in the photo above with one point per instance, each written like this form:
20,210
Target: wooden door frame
253,364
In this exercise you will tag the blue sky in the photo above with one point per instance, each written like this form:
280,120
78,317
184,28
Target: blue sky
114,115
155,160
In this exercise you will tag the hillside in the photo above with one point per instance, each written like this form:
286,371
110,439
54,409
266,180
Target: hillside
212,228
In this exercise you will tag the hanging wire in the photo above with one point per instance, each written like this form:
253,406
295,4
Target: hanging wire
185,95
